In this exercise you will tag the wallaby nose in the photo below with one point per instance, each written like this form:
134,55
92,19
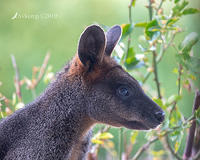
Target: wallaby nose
160,116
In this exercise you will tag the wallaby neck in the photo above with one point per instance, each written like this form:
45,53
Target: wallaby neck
51,125
64,110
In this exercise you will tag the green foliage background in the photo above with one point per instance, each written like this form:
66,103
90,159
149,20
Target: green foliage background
30,39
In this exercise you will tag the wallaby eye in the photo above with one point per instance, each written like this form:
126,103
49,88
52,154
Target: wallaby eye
123,92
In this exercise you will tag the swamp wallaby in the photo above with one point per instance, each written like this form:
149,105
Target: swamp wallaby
91,89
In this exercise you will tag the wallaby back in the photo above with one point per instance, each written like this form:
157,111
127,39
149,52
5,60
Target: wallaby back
91,89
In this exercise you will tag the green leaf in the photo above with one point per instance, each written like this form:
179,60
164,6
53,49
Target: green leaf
178,8
193,64
133,3
173,98
142,24
175,118
152,30
131,56
178,142
126,29
190,63
189,41
131,59
165,124
174,135
134,135
160,103
172,20
190,11
176,1
197,115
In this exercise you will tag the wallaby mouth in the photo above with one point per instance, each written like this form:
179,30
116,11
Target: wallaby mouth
136,125
141,125
150,120
151,115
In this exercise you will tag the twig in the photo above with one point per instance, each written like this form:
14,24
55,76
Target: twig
120,143
17,79
131,23
42,70
190,139
179,89
128,149
146,77
130,12
96,147
160,5
156,74
2,98
163,50
171,149
154,56
40,75
161,55
150,10
197,156
146,146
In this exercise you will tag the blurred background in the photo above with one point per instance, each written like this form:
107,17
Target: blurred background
30,29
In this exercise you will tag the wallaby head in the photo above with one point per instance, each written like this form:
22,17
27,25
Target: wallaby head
112,95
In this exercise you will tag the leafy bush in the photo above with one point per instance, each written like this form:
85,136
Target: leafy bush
159,34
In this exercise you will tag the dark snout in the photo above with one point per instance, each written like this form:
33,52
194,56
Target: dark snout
155,114
151,113
160,116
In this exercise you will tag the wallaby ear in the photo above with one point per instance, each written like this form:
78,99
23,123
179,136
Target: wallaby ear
113,35
91,46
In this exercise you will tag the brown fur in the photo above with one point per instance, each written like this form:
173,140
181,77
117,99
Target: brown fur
99,70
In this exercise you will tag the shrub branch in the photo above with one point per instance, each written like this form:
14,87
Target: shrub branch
17,79
155,71
190,139
147,145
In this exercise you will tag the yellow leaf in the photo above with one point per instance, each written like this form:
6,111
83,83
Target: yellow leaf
105,135
110,144
176,146
123,25
133,136
96,141
157,153
192,77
